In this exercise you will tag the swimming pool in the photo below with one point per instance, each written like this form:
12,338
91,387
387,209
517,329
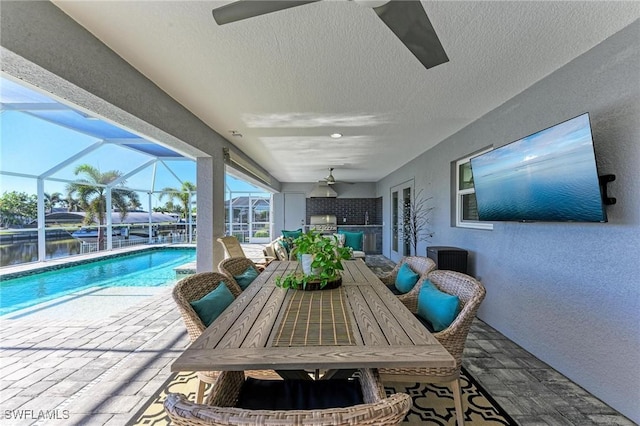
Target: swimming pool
150,268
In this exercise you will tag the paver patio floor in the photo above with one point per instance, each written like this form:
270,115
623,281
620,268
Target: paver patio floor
61,369
88,371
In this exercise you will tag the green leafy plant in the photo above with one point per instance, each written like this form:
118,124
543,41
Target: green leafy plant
327,260
261,233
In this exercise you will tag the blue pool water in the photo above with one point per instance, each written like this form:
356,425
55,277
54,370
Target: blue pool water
145,269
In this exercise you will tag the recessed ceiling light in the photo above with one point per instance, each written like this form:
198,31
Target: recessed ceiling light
336,135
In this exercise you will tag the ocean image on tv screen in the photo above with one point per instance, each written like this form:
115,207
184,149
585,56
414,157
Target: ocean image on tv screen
548,176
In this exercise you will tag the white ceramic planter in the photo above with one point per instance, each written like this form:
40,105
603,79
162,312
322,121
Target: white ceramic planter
305,261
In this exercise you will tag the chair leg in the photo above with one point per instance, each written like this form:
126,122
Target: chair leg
200,391
457,400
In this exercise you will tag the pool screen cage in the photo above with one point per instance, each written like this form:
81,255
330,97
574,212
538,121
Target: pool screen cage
248,216
63,169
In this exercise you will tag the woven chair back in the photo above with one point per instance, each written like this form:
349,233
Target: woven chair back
193,288
471,293
232,246
234,266
420,265
377,409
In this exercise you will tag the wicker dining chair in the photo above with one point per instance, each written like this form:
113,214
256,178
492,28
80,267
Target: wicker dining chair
235,266
232,248
190,289
376,409
471,293
282,254
418,264
269,251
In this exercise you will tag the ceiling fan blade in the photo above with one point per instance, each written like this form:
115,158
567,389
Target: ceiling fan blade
410,23
243,9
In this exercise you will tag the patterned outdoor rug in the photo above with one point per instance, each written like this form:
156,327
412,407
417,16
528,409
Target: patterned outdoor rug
432,405
379,264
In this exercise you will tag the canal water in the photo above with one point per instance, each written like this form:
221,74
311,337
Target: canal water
27,251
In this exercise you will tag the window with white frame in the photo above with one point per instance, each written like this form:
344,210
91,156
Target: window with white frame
466,207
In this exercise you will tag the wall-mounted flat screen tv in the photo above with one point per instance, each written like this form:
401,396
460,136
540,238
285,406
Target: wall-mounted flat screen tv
549,176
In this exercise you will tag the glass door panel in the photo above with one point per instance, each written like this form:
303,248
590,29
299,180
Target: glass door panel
400,198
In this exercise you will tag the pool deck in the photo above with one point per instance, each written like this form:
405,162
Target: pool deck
88,371
101,369
93,357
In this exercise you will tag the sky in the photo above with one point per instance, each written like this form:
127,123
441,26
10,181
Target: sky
32,146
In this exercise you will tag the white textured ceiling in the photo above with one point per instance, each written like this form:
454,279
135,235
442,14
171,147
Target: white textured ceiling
287,80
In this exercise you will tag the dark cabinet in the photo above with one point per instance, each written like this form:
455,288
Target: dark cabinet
448,258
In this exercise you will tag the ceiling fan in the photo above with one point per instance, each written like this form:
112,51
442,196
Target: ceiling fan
330,180
407,20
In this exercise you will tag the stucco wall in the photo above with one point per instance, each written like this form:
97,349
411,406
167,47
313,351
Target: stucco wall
568,293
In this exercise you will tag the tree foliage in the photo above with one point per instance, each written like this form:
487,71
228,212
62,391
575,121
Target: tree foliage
17,208
169,207
88,194
91,192
52,200
182,195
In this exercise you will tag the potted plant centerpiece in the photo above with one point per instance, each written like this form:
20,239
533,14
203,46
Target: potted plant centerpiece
320,258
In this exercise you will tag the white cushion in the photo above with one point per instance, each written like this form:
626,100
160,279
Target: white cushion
357,254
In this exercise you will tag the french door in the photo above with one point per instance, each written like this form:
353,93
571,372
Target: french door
400,200
295,210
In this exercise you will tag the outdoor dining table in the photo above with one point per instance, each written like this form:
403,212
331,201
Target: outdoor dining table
360,324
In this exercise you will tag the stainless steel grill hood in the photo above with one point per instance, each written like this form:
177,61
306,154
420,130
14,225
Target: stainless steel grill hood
323,190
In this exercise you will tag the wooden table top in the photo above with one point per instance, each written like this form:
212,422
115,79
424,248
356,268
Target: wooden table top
358,325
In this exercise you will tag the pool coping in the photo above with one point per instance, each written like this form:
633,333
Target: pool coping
23,270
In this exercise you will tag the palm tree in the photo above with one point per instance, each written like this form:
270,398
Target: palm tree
91,193
168,207
134,202
51,200
183,195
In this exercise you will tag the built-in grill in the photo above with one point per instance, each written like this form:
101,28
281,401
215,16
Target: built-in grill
325,224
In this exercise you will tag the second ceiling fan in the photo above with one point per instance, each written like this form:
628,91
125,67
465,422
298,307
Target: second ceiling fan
330,180
407,19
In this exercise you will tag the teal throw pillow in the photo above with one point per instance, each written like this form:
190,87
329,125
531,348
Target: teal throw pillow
437,307
292,234
353,239
406,279
288,237
246,278
211,306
